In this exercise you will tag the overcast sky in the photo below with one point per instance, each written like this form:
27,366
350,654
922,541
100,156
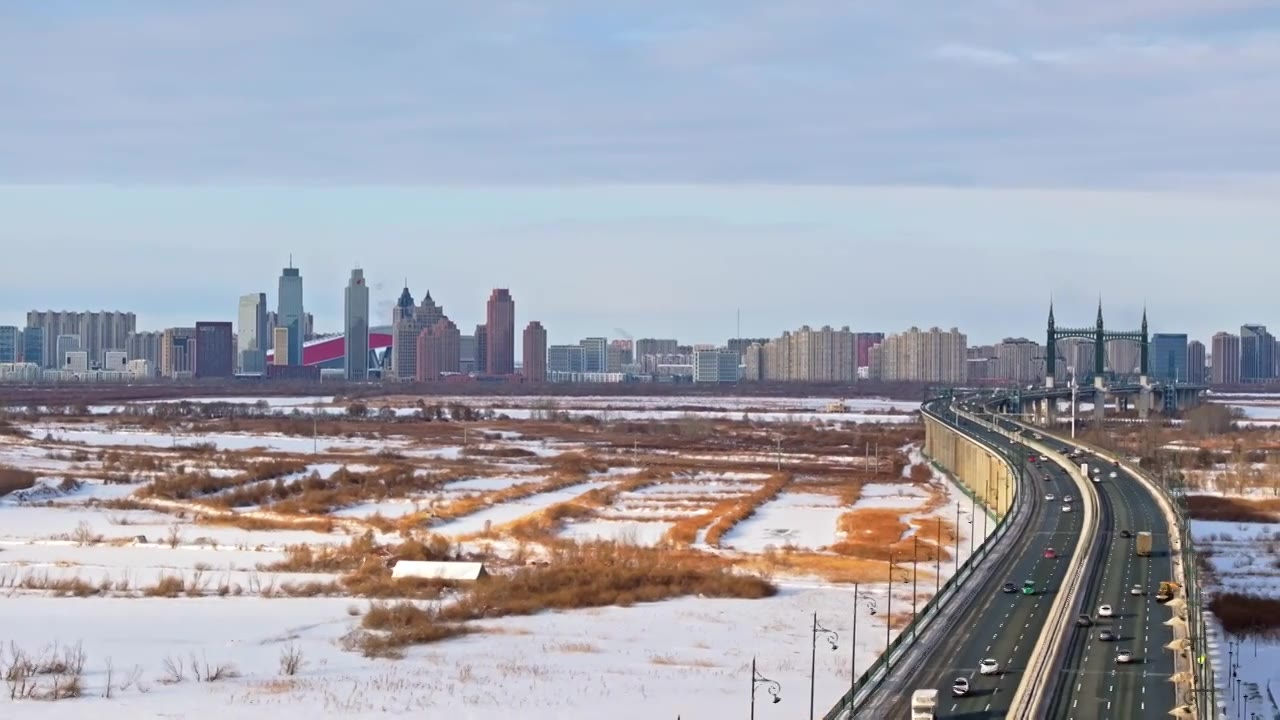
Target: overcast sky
649,166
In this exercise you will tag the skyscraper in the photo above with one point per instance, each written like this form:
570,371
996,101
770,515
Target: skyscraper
289,312
10,347
1257,347
500,331
482,349
214,351
33,346
1195,362
438,350
98,331
177,352
252,338
534,368
407,323
1168,359
1226,359
597,349
356,326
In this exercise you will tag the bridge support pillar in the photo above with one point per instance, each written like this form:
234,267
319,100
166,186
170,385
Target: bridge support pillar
1144,397
1099,400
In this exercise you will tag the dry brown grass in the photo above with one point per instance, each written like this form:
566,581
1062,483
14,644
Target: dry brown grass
1209,507
871,533
186,486
389,628
833,568
13,479
257,522
567,476
1247,613
545,524
744,507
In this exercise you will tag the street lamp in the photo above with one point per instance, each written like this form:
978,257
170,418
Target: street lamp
773,687
831,637
937,558
853,641
888,617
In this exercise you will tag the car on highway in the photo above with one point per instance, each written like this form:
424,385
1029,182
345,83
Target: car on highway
1137,590
1050,553
1106,635
988,666
1009,588
1066,508
1124,656
1029,587
1113,474
1125,534
1031,458
960,686
1105,611
1084,621
1066,498
1050,497
1044,458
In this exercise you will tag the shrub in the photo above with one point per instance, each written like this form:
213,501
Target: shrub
1246,613
390,627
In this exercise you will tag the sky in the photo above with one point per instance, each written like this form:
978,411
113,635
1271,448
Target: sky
648,168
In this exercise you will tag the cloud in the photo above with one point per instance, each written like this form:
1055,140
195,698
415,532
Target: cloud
992,92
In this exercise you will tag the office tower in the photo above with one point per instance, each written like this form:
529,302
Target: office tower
33,346
177,352
356,327
500,333
289,312
482,349
1226,359
1195,362
10,347
467,354
717,365
1016,360
1168,359
280,346
534,367
252,337
597,354
1257,347
437,351
407,323
566,359
215,351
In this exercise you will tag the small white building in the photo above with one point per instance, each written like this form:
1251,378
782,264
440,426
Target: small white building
454,571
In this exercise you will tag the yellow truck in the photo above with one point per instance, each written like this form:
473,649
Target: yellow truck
1142,548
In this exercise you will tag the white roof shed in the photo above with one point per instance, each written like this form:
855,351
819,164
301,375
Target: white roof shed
457,571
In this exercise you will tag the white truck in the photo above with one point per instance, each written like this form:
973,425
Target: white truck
923,703
1084,469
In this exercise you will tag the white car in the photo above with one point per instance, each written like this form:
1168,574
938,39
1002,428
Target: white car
989,666
1105,611
960,687
1124,656
1066,498
1066,508
1050,497
1044,458
1113,474
1137,590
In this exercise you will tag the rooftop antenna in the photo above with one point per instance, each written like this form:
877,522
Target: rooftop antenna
290,260
739,331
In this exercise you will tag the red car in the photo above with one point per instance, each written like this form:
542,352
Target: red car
1031,458
1050,553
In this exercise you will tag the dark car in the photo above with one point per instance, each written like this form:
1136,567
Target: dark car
1084,621
1009,588
1125,534
1106,635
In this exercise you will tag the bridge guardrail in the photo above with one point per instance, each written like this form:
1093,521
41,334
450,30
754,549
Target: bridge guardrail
1049,646
1181,553
878,672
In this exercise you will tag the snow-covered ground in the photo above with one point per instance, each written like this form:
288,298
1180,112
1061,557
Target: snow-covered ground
802,520
511,511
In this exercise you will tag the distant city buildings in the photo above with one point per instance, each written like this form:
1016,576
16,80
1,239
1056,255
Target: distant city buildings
1019,360
1196,363
1167,358
806,355
289,312
1226,359
253,336
720,365
566,359
596,356
481,335
214,351
407,323
355,324
1257,354
933,356
97,332
500,333
438,351
534,346
177,353
10,344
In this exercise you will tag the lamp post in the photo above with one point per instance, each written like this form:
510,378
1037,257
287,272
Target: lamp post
888,616
915,549
937,557
831,637
957,533
853,654
773,687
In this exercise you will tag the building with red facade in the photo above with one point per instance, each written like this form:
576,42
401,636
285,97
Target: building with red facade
439,351
535,353
500,333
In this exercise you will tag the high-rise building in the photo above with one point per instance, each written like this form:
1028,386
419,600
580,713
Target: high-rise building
1124,357
656,346
33,346
597,354
64,344
806,355
177,352
467,354
98,331
933,355
438,351
566,359
740,345
308,326
356,327
1168,358
621,352
10,344
289,312
1195,362
482,349
1257,348
252,337
1017,360
1226,359
279,347
407,323
215,351
534,345
719,365
145,346
76,361
862,344
500,327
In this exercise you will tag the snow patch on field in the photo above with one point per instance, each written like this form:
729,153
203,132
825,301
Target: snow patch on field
803,520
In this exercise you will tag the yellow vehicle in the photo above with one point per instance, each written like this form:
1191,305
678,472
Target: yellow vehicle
1167,591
